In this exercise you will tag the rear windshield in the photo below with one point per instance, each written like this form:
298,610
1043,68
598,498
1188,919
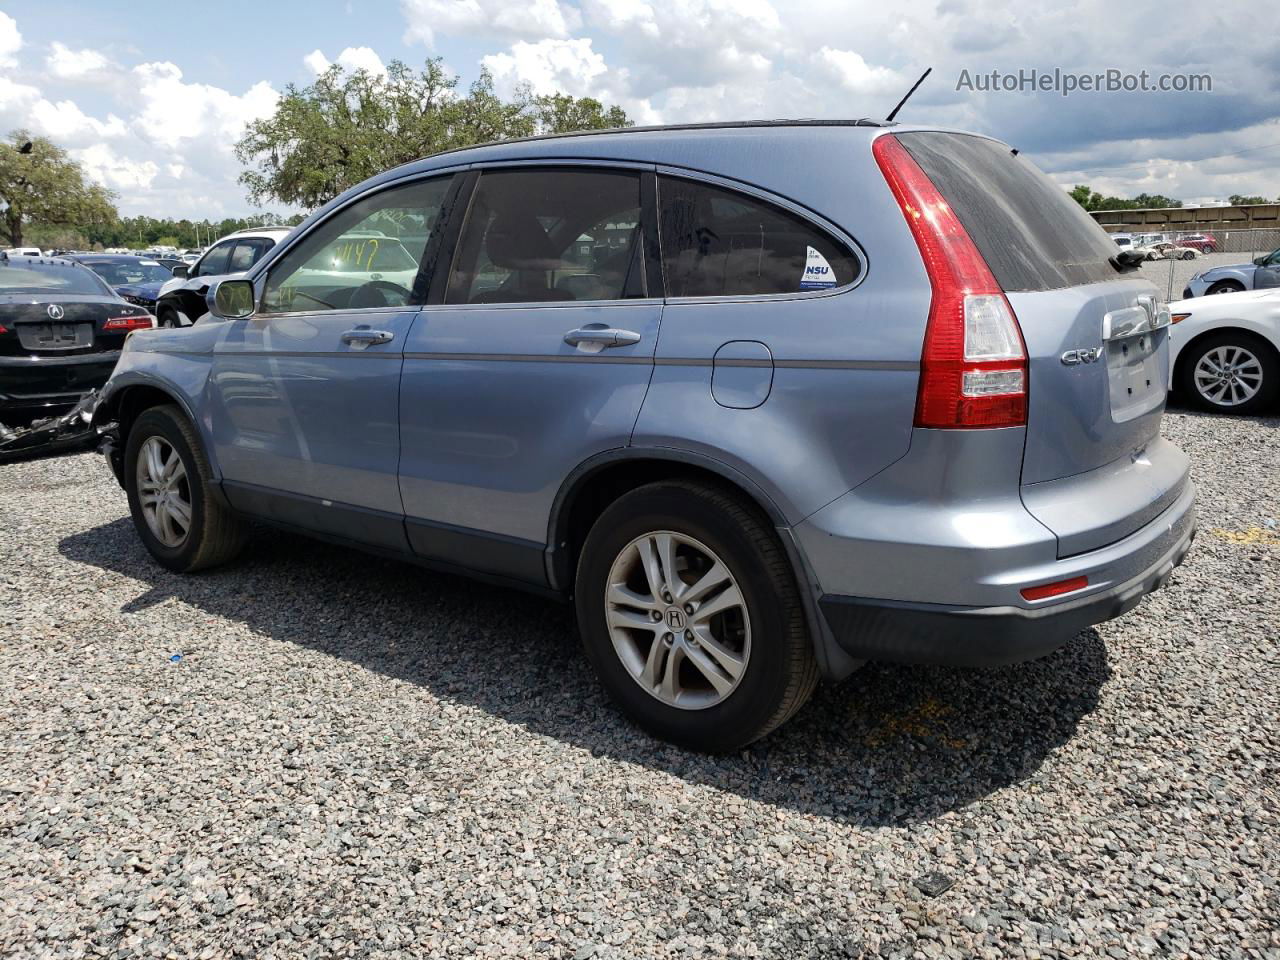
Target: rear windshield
49,279
1029,230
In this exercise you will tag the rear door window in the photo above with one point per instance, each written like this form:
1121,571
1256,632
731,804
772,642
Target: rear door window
718,242
247,253
548,235
1028,229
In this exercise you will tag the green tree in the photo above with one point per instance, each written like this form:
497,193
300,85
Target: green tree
40,184
347,126
1240,201
1092,200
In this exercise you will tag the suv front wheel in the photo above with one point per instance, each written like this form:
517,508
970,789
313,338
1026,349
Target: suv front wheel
177,514
691,617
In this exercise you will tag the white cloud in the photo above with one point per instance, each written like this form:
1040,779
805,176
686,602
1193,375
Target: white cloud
16,97
549,66
10,40
857,76
118,172
173,111
65,63
64,122
351,59
428,20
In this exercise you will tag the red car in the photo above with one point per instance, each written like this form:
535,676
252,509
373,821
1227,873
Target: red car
1204,242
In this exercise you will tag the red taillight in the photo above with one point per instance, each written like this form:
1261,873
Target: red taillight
973,369
1054,589
131,322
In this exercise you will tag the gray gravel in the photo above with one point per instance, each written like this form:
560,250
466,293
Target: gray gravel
1171,276
356,758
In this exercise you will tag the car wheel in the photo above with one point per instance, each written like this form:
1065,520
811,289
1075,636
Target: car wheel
169,317
1189,255
691,617
170,487
1231,372
1226,286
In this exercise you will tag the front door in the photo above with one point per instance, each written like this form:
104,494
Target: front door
306,392
1267,276
538,358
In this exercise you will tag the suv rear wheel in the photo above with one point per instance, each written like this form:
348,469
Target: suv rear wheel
169,484
691,617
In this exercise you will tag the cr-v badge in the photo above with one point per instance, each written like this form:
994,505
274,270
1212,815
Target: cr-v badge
1072,357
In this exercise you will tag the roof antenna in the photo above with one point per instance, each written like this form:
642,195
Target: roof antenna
893,113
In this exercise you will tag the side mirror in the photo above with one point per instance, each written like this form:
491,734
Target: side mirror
230,299
1260,261
181,270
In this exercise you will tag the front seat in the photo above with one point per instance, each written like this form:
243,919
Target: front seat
516,241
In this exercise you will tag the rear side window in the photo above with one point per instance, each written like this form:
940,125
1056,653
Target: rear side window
247,253
719,243
544,236
1031,233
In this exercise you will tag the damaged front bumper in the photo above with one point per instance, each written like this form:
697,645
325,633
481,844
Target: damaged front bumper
68,431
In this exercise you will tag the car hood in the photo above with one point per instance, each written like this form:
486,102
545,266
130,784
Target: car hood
146,291
1229,268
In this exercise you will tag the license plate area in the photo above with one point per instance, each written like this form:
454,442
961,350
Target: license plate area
1134,373
55,336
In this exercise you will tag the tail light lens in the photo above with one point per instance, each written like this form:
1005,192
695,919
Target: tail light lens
973,369
134,321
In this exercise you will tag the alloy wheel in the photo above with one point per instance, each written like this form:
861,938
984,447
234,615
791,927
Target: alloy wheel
1228,376
678,620
164,492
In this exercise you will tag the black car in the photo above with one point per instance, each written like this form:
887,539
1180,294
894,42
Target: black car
61,330
137,279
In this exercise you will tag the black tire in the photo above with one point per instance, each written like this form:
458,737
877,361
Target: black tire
780,672
215,534
1189,255
1225,286
1260,348
167,317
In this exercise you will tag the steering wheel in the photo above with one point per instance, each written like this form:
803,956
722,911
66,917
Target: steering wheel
378,293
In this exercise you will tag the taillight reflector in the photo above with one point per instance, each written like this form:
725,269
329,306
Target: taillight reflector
1054,589
973,369
132,322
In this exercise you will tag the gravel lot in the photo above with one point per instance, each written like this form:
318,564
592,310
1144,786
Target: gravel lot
1171,276
357,758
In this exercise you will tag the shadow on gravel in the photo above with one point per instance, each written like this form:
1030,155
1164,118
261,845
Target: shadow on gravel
891,745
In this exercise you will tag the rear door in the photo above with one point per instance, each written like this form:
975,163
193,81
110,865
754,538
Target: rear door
1267,275
1097,342
538,357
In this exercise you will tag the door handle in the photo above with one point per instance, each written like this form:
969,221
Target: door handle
362,337
599,336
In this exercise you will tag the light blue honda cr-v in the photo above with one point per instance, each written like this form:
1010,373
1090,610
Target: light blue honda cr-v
765,399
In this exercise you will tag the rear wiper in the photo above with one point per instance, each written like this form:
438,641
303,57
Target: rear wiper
1127,260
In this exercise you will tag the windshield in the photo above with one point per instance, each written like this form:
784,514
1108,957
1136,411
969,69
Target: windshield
118,273
51,279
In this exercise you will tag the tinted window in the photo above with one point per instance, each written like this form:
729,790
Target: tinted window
1029,230
247,253
215,261
365,255
535,236
717,242
56,279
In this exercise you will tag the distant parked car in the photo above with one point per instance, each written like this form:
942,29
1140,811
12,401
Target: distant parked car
136,279
24,252
1262,274
181,301
1226,351
1204,242
1123,241
1164,250
61,330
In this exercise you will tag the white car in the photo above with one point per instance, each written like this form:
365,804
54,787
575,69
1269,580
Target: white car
180,302
1164,250
1225,350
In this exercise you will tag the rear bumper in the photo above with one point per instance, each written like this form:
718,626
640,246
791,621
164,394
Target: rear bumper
33,387
974,636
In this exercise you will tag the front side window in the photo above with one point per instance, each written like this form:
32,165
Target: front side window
539,236
718,243
215,261
365,255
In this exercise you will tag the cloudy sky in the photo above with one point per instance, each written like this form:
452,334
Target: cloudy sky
152,98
